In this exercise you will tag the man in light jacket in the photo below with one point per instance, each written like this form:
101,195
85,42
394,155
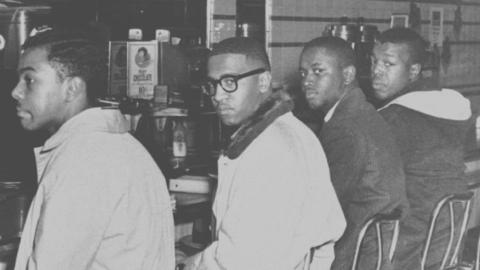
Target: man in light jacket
430,125
102,203
274,199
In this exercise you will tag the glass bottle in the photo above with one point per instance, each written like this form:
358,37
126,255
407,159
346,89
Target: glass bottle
179,140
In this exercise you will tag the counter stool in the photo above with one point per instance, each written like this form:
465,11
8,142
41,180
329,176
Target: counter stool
379,221
464,200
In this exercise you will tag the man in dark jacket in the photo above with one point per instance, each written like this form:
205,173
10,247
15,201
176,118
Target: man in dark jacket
430,126
364,162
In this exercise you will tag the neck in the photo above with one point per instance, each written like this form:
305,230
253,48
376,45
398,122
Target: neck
70,111
346,89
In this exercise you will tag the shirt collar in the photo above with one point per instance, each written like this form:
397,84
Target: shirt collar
330,112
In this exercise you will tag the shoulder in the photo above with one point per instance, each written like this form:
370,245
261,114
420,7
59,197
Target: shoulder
288,131
285,139
397,113
343,130
105,153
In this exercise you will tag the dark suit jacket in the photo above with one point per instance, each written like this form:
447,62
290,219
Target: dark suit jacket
366,171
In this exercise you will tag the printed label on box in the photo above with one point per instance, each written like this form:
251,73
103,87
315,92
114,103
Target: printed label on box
436,26
117,68
142,69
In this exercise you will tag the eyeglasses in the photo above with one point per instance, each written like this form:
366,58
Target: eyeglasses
228,82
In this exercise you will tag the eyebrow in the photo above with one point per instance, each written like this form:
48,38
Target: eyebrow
223,76
25,69
389,54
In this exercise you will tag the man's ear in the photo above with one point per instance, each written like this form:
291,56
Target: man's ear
264,81
349,74
414,71
75,87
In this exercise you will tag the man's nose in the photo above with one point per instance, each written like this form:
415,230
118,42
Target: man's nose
307,80
17,92
219,93
376,68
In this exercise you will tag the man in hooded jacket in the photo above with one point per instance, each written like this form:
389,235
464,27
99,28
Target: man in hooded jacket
430,125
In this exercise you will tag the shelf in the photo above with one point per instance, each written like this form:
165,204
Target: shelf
178,112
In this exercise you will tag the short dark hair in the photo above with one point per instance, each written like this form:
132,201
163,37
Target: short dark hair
72,52
340,48
249,47
416,45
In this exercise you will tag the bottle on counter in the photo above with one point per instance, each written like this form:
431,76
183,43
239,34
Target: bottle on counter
179,139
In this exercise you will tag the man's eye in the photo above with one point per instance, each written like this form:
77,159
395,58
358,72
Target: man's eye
228,81
28,80
388,64
303,73
317,71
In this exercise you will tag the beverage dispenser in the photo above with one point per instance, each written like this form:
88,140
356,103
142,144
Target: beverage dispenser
16,24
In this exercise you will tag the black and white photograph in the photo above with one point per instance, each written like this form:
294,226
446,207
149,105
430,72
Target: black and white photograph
240,135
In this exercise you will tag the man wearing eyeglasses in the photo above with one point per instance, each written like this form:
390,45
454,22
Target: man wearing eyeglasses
274,199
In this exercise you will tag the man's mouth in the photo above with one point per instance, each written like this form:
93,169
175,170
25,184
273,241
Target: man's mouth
377,82
309,93
22,113
224,109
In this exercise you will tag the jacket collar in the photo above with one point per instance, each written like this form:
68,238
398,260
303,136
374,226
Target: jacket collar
422,96
422,84
350,103
275,106
93,119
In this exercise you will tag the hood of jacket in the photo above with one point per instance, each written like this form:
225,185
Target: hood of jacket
273,107
444,103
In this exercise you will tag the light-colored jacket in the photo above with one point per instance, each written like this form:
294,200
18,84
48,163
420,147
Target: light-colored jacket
102,203
274,202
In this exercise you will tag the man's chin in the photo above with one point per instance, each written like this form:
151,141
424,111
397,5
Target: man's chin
28,127
379,92
314,106
228,121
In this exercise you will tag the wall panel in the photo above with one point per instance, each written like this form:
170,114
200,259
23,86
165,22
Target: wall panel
296,22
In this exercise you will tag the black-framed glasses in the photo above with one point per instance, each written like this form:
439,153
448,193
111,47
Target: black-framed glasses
228,82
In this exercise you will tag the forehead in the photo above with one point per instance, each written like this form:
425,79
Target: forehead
392,50
228,62
34,57
319,55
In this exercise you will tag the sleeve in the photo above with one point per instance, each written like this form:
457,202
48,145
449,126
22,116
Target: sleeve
75,214
355,177
258,229
399,127
346,153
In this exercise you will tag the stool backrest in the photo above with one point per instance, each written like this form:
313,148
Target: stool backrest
464,200
477,255
378,221
307,260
